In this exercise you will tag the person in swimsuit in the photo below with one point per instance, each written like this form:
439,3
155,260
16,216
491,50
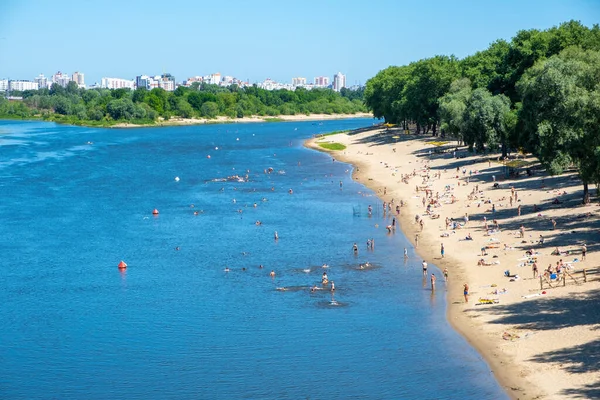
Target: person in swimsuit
466,292
355,248
424,264
272,274
433,281
446,274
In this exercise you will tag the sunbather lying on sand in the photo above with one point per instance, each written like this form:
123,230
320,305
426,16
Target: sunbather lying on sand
485,262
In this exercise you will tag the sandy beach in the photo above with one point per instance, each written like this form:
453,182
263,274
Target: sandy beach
226,120
494,225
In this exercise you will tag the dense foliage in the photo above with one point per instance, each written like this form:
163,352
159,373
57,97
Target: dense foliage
105,106
540,93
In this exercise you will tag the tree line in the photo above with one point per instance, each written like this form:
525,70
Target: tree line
538,92
72,104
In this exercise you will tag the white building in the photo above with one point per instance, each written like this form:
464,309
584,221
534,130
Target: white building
193,79
42,81
166,84
61,79
339,81
321,81
78,79
22,85
212,79
299,81
117,83
269,84
3,85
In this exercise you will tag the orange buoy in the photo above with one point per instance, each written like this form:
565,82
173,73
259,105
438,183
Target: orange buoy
122,265
155,212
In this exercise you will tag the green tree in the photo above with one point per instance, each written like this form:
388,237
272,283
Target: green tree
209,109
560,114
452,108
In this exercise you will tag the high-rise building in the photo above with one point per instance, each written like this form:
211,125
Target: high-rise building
117,83
299,81
322,81
78,79
42,81
339,81
61,79
143,81
22,85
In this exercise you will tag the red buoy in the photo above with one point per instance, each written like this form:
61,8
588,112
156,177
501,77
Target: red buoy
155,212
122,265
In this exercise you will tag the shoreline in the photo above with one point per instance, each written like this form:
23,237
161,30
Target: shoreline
206,121
372,152
244,120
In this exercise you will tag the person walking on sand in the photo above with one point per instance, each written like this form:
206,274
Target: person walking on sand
519,210
424,264
417,240
522,230
446,274
583,251
466,292
442,250
553,223
534,268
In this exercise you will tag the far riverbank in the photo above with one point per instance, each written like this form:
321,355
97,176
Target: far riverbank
253,119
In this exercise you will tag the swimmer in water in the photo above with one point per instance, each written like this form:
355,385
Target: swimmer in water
272,274
260,266
332,286
355,248
276,235
226,269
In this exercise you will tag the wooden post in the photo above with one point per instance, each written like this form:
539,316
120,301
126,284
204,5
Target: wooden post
584,275
541,283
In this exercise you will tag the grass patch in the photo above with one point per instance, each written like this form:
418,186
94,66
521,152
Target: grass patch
273,119
332,133
332,146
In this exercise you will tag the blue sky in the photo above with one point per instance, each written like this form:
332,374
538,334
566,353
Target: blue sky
258,39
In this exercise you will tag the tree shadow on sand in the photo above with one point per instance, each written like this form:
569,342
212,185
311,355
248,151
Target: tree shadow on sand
545,313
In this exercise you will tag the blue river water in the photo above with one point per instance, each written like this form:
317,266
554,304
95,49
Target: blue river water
76,201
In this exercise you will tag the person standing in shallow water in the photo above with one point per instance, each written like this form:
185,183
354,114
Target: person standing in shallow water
433,281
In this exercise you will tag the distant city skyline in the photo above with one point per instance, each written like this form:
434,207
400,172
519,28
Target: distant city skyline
269,39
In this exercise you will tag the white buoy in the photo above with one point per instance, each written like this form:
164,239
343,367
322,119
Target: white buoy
176,179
